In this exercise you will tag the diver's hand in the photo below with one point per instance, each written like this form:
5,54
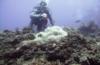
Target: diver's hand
44,15
52,24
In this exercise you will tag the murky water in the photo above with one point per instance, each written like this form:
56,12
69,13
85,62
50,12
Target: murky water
15,13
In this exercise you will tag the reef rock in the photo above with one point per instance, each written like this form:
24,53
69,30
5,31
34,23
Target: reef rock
54,33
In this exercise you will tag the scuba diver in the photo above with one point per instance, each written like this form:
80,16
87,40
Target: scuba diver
40,16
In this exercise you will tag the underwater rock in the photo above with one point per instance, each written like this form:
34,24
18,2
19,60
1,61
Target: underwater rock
92,29
54,46
54,33
26,30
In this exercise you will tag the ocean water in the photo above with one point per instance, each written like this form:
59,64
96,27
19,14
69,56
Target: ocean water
15,13
54,45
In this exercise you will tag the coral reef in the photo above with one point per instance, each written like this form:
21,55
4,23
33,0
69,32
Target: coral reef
92,29
54,33
58,47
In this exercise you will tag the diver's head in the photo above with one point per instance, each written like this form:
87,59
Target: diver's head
43,4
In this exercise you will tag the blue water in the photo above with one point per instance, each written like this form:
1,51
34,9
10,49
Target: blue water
15,13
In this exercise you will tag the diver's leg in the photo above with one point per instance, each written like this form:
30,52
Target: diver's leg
32,26
39,28
44,25
41,25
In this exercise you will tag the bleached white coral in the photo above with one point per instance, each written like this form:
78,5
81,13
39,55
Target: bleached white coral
54,33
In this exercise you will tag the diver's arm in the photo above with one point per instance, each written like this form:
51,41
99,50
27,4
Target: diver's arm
33,14
50,18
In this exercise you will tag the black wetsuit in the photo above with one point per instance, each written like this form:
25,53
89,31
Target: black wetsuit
40,21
